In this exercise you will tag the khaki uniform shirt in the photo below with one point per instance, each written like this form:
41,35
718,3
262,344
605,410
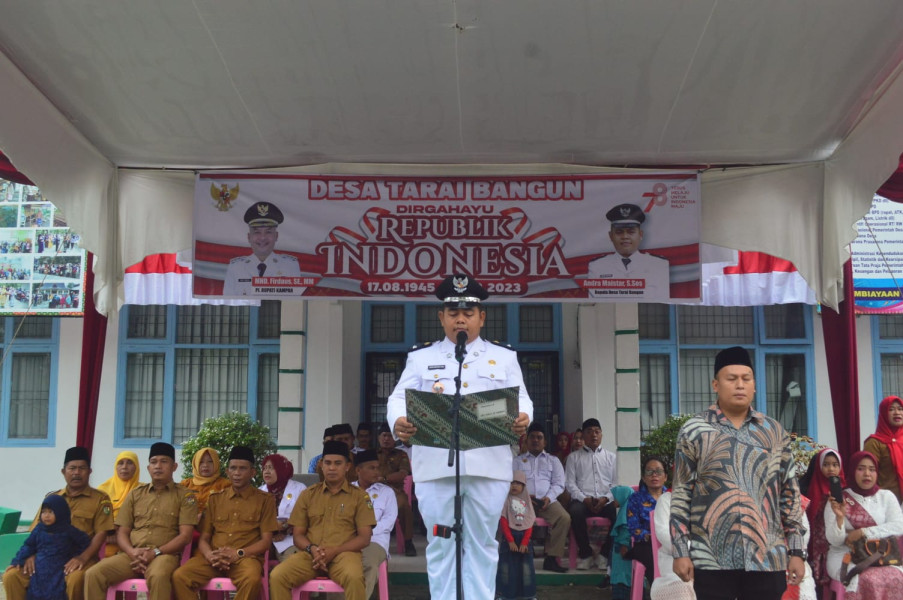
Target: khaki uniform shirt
394,461
155,516
235,520
331,519
91,510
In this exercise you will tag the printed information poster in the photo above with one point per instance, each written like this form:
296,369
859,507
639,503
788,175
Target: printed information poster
878,259
590,237
42,267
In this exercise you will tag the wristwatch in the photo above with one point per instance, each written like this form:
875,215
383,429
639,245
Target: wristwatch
157,552
799,554
307,549
240,552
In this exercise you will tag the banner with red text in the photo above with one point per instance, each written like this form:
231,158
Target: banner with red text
274,235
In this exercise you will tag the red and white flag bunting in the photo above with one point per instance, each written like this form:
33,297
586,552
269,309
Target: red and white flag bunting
750,279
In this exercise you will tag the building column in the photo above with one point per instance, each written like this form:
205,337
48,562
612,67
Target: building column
609,363
292,354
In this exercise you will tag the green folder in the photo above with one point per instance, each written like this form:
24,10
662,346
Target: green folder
486,418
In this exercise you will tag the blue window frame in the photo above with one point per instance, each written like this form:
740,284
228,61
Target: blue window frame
887,350
28,398
533,329
678,345
179,365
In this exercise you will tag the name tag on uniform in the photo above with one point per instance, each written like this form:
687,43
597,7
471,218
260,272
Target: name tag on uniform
435,367
492,409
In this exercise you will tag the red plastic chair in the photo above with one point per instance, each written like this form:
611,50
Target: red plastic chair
220,587
572,543
323,584
130,587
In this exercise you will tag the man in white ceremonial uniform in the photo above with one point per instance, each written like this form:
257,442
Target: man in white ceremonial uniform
385,507
545,482
262,218
627,262
485,472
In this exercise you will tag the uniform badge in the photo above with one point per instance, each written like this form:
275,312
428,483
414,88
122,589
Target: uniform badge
107,509
625,211
369,504
191,499
435,367
460,284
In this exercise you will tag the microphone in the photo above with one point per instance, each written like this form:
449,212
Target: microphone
461,346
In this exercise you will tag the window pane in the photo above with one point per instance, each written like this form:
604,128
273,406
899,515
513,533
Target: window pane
29,399
540,370
890,326
428,328
891,373
696,380
655,321
786,393
387,324
655,390
269,320
209,383
715,324
536,323
783,321
33,327
144,377
206,324
268,392
148,322
496,327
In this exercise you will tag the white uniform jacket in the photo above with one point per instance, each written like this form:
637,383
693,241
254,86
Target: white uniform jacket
486,367
290,495
243,269
385,507
653,270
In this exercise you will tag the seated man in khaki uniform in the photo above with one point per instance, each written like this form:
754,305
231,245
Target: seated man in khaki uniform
333,521
91,512
155,522
236,531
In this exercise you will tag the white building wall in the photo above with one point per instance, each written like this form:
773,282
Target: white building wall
329,352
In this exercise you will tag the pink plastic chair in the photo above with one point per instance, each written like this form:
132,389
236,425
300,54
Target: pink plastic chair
219,587
131,587
540,522
322,584
836,588
572,543
639,569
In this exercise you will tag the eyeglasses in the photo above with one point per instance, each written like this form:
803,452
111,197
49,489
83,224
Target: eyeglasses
653,472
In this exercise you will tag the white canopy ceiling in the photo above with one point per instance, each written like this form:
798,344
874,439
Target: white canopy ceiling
809,88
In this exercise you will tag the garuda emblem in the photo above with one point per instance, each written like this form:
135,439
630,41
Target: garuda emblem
224,196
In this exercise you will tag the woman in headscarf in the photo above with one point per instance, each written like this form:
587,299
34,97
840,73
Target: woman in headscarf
206,477
824,465
866,512
562,446
887,445
277,480
125,478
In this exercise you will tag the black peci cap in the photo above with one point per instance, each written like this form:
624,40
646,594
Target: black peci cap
77,453
735,355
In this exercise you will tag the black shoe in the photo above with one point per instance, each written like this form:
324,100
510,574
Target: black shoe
605,583
409,549
551,564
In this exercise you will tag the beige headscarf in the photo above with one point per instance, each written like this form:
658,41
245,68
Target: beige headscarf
518,510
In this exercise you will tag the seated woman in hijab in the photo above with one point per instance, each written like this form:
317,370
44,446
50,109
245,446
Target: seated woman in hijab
125,478
206,478
866,512
277,480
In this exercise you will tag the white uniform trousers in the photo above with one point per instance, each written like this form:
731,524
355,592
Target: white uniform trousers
481,509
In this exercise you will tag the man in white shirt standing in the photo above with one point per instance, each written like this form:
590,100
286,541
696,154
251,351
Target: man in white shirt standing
366,463
545,482
591,473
